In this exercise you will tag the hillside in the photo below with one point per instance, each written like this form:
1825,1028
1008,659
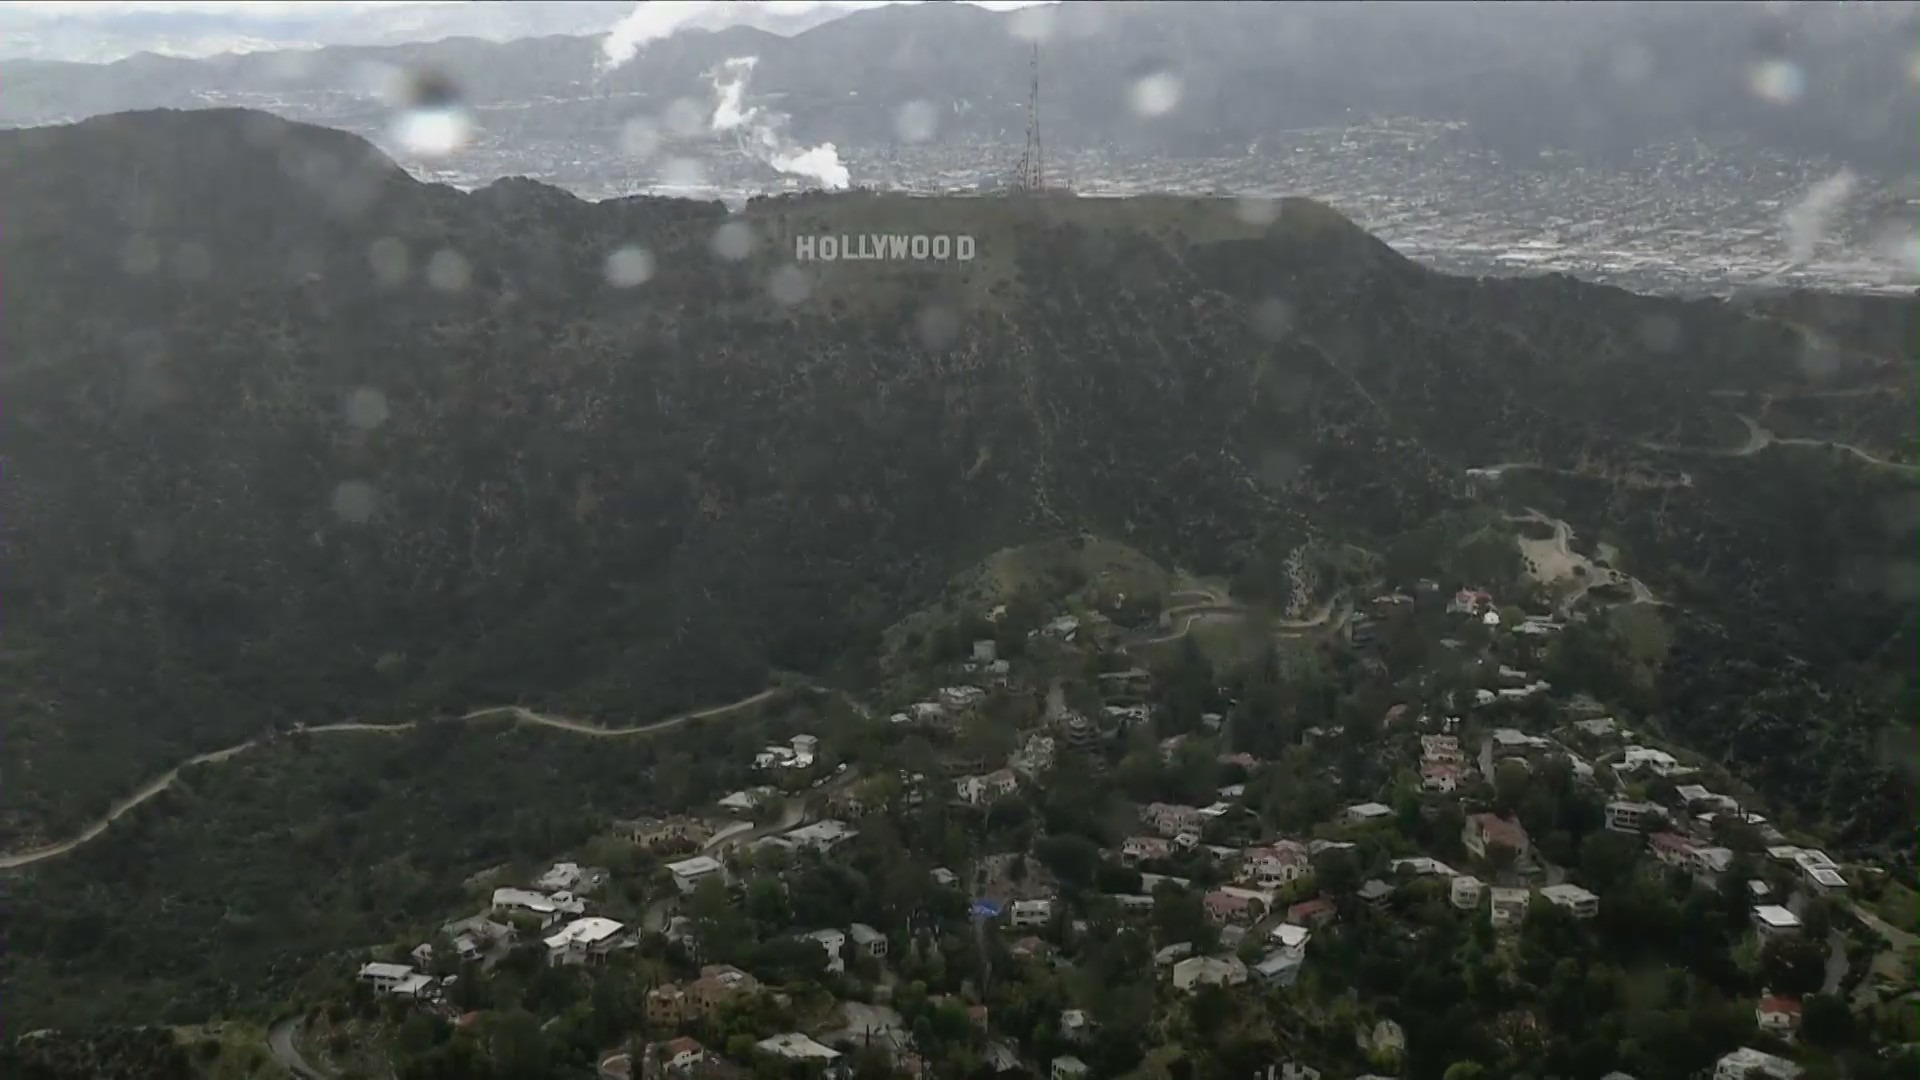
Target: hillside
293,437
1833,81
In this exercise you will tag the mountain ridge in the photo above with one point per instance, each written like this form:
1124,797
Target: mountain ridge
1601,85
339,442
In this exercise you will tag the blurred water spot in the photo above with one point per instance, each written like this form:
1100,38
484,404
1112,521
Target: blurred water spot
1806,221
1659,333
1272,319
639,138
139,255
1279,466
1913,68
305,262
937,326
449,271
1778,81
429,120
732,241
1033,24
685,117
1902,580
683,172
1632,64
151,543
366,408
915,121
1818,359
1155,94
1257,211
788,285
191,262
388,257
629,266
354,501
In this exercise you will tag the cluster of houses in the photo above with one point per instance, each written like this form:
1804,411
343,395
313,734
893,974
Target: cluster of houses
555,908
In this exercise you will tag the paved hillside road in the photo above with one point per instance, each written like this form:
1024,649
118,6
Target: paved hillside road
165,780
280,1042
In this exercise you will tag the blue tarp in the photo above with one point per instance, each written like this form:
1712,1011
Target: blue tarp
985,909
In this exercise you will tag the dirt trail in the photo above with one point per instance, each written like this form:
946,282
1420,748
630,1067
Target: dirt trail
165,780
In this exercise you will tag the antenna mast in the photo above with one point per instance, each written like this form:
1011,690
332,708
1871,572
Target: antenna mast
1033,163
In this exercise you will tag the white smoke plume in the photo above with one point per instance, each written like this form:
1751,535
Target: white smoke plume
649,20
762,133
1806,221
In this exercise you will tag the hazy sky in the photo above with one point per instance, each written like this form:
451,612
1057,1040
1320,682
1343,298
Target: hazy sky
271,8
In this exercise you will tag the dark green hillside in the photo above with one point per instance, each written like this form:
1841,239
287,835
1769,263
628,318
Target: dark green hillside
293,437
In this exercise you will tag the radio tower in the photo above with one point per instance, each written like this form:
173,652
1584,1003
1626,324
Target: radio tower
1033,163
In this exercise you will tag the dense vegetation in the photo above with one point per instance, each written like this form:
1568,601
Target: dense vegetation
344,444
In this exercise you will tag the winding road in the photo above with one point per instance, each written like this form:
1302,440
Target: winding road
280,1042
522,714
1759,438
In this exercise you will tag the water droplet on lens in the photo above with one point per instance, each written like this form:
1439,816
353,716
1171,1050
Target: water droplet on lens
629,266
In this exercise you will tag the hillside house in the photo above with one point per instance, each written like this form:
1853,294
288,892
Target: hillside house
1465,891
584,941
821,836
1274,865
869,941
1772,920
794,1046
1512,742
1444,748
1485,829
1171,820
1208,971
547,909
982,790
1368,813
1316,912
1508,907
1778,1016
1671,849
1236,907
1627,816
398,980
718,984
689,873
1026,913
1067,1067
1278,968
1572,899
1650,760
833,942
1139,849
1441,777
1747,1063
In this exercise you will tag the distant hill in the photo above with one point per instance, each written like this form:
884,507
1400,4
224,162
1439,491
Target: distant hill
291,436
1597,80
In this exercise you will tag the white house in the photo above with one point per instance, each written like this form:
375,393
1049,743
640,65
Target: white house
1652,760
385,978
1213,970
823,835
833,941
1274,865
1509,907
1367,813
689,873
793,1046
1573,899
1067,1067
975,790
1465,892
1747,1063
582,940
868,940
549,909
1772,920
1024,913
1628,816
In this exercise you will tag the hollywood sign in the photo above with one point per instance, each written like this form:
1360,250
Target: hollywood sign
875,247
